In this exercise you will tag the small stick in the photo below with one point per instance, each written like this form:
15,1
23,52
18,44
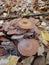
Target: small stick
41,14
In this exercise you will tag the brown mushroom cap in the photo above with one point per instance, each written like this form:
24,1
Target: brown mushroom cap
3,38
28,47
15,31
25,23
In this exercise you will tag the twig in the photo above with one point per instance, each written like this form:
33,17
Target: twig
41,14
45,7
6,18
6,46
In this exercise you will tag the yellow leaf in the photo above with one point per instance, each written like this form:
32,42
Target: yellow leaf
13,60
28,60
45,35
27,12
40,26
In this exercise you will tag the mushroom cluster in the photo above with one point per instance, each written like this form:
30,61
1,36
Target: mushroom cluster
24,32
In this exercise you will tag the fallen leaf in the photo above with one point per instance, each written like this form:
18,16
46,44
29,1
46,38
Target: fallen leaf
45,35
28,60
13,60
40,50
40,61
43,41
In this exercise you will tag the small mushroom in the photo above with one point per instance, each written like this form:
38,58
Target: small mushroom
17,37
